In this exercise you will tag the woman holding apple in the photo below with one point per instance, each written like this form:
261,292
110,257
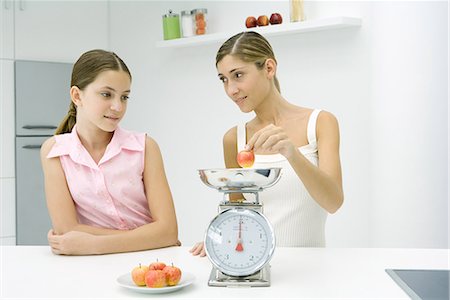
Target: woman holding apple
304,142
105,186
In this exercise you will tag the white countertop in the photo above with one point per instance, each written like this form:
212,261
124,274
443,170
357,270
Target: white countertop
30,272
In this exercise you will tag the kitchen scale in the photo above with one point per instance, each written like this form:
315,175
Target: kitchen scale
240,240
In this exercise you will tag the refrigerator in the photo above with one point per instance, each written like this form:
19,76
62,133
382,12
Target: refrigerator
41,101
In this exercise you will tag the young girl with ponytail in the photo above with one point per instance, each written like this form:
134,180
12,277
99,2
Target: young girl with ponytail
105,187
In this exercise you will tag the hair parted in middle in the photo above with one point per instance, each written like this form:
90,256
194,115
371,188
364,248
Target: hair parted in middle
250,47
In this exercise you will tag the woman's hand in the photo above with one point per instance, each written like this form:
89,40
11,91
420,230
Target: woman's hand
198,249
72,243
271,139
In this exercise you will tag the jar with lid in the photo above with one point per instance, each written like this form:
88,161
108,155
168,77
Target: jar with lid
171,26
200,20
187,23
296,10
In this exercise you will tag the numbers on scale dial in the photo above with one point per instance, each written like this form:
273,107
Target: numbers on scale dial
244,241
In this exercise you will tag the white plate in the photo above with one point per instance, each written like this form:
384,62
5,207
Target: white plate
126,282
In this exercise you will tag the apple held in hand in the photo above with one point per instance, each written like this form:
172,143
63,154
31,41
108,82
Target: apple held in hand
155,279
263,20
245,158
173,275
251,22
138,275
275,18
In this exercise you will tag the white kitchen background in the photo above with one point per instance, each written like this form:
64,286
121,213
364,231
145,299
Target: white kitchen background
386,81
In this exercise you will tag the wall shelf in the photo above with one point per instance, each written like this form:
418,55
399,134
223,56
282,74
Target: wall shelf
271,30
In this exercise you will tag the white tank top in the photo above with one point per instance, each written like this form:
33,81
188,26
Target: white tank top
297,219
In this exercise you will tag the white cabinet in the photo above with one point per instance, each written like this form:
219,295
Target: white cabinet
59,30
7,209
7,170
7,29
8,241
7,118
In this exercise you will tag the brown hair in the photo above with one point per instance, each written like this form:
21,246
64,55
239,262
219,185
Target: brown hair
86,69
248,46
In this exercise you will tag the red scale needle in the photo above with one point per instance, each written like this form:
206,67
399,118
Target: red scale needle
239,247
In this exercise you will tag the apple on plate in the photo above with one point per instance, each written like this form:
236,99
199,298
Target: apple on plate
173,275
155,279
245,158
275,18
251,22
263,20
138,274
157,265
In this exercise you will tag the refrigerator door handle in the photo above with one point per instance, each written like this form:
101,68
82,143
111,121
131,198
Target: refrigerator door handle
32,147
39,127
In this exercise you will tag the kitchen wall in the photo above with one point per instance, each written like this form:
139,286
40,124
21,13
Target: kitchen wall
409,125
386,82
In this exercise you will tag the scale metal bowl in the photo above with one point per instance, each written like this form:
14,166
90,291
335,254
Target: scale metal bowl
229,180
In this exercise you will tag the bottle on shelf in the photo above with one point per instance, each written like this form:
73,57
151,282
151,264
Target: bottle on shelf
296,9
200,20
171,26
187,23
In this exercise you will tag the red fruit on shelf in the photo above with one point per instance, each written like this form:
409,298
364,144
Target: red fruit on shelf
263,20
276,18
251,22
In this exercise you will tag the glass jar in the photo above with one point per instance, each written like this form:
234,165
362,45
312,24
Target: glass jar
171,26
296,10
200,20
187,23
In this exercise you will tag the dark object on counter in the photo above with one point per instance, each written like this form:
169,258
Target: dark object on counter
422,284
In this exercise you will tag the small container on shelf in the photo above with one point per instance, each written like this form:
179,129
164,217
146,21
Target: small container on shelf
187,23
171,26
200,20
297,13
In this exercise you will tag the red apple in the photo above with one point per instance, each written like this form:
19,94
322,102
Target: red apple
155,279
263,20
251,22
138,274
157,265
275,18
245,158
173,275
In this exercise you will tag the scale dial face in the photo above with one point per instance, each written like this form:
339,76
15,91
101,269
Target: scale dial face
239,241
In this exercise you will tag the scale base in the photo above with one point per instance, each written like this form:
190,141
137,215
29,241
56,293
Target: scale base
259,279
